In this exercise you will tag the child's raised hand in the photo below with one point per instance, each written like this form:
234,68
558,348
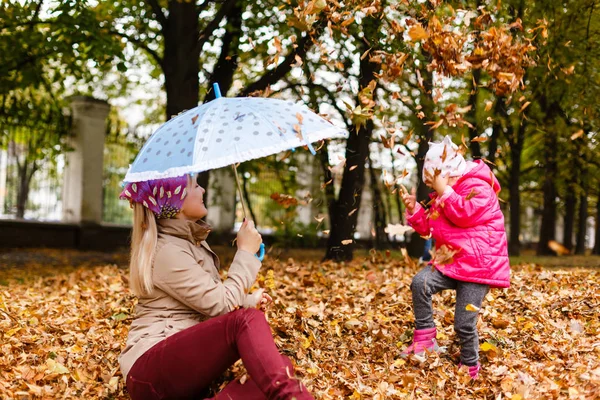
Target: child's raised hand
439,183
409,200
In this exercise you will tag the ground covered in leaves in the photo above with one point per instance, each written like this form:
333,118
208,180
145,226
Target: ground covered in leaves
344,325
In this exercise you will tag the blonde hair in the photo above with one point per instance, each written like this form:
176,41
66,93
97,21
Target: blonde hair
143,245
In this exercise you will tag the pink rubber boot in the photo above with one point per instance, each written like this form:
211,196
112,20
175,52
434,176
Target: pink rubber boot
423,340
473,370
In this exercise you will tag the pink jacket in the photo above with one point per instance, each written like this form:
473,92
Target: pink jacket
467,218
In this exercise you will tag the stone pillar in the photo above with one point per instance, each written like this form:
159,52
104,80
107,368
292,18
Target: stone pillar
221,200
82,188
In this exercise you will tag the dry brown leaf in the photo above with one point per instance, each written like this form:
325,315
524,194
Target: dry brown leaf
416,32
577,134
471,194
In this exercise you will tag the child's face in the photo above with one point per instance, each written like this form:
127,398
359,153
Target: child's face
193,207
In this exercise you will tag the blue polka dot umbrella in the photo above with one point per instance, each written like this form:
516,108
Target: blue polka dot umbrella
227,131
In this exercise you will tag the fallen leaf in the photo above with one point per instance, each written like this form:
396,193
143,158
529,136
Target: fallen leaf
471,307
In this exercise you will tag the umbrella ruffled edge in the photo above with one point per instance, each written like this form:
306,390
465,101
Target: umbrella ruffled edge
329,133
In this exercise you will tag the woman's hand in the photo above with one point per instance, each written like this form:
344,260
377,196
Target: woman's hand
248,238
264,301
409,200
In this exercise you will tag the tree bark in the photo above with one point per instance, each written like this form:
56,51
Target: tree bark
496,129
596,249
516,142
225,67
471,115
569,220
378,209
25,177
343,220
247,197
416,244
181,57
548,226
396,193
582,223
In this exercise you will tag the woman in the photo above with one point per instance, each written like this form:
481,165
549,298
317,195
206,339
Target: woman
190,326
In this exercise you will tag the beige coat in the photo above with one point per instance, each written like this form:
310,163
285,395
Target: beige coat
187,287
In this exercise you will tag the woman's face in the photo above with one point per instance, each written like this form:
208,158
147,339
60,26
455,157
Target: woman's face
193,207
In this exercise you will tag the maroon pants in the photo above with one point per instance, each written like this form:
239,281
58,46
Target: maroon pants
183,365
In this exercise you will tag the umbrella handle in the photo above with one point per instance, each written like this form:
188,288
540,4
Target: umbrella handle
261,252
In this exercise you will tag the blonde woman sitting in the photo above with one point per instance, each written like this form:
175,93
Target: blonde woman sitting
190,326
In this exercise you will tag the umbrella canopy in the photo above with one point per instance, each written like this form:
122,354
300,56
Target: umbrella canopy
227,131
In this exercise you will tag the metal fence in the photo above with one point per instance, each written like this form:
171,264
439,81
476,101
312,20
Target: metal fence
119,152
26,166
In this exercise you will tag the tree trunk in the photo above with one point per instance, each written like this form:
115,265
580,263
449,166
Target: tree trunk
596,249
345,209
247,197
582,223
416,244
343,220
181,57
23,192
569,220
514,181
225,68
471,116
378,209
548,226
396,193
497,129
25,176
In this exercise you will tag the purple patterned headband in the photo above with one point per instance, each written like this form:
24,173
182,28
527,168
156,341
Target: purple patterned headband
164,197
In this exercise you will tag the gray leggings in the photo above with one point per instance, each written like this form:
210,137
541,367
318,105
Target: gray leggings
430,281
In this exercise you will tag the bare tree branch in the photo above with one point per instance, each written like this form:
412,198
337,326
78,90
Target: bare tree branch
214,24
160,15
277,73
140,44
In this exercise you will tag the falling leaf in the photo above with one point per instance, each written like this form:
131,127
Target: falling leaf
326,232
346,242
558,248
488,105
352,168
577,134
298,131
194,118
479,139
471,194
444,154
352,212
524,106
284,199
444,255
416,32
397,229
347,22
